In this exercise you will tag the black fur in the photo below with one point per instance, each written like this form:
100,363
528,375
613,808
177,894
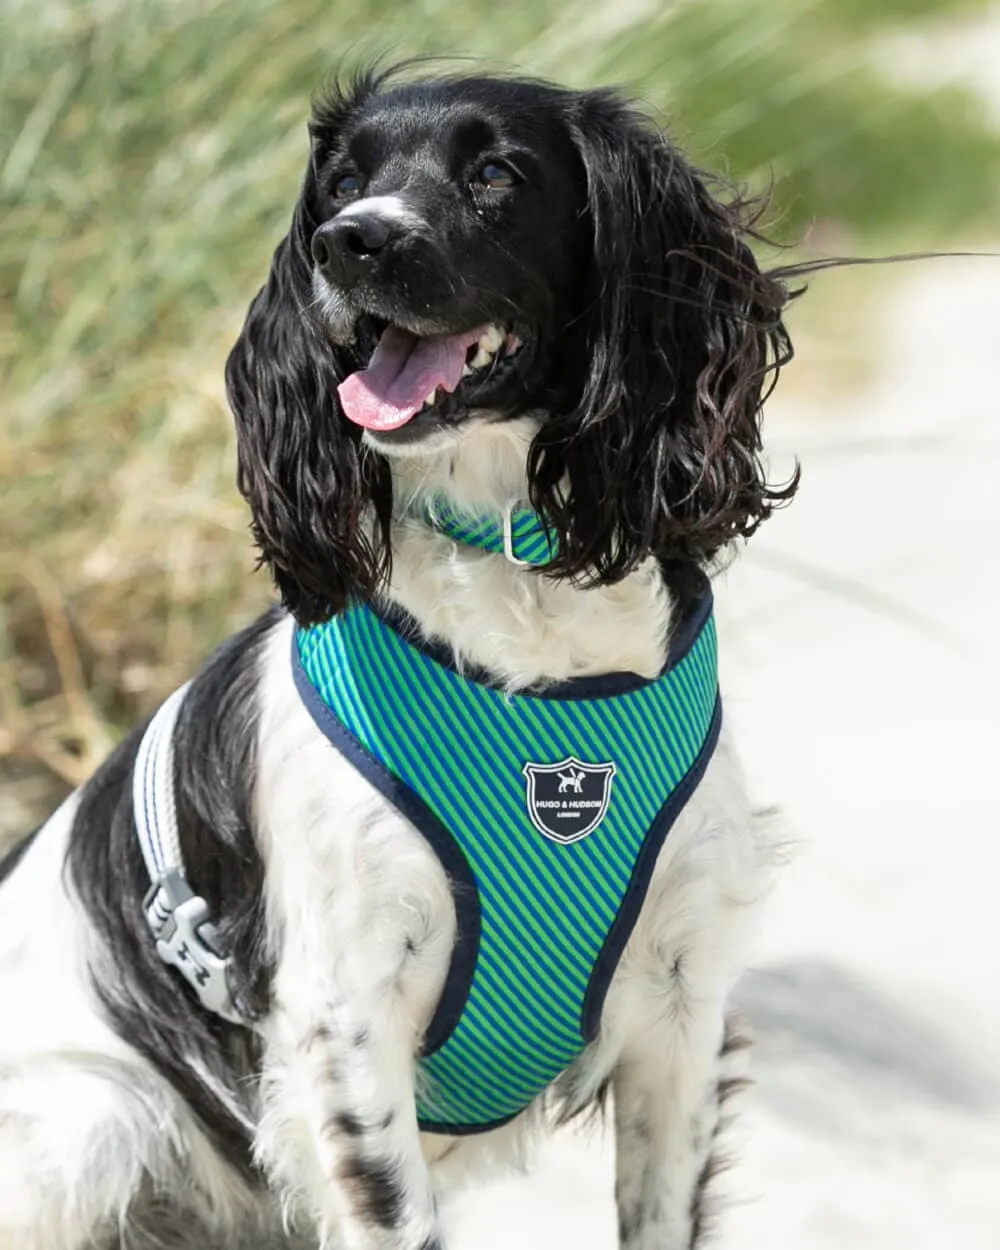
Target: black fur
734,1039
682,339
654,334
377,1188
145,1000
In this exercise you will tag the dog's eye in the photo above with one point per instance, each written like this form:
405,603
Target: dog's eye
347,187
496,176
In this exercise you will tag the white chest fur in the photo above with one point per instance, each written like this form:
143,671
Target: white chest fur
515,622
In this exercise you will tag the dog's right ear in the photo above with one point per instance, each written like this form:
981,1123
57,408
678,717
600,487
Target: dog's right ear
320,503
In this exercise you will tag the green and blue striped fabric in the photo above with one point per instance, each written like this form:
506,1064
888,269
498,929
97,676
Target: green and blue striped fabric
531,541
547,809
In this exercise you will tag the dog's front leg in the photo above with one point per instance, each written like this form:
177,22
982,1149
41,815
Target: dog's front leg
340,1125
668,1090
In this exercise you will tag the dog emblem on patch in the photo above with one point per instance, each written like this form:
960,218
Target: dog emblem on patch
568,800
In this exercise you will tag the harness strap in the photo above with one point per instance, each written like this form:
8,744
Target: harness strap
180,920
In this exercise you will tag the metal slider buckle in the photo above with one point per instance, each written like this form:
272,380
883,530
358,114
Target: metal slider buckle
430,514
186,940
508,535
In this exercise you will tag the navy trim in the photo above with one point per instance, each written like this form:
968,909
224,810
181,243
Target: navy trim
461,878
602,686
465,1130
635,895
689,629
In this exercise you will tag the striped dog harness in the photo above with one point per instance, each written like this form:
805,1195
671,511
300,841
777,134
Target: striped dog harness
547,811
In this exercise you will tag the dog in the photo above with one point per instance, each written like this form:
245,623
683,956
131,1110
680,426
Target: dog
498,410
572,781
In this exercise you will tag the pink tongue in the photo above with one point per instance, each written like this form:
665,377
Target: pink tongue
402,372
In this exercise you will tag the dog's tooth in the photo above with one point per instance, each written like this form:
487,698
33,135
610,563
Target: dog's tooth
490,340
430,399
482,357
466,371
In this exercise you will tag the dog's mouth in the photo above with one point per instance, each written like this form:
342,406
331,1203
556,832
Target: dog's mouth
409,373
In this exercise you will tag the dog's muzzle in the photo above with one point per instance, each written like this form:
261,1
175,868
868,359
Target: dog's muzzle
345,248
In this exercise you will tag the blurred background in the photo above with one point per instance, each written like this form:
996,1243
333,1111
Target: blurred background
150,152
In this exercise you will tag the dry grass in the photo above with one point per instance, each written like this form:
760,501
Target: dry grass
150,151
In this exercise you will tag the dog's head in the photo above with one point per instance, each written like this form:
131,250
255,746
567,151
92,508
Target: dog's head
472,249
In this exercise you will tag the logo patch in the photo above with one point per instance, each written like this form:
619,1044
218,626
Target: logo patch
568,800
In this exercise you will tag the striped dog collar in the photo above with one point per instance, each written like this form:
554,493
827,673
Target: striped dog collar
519,533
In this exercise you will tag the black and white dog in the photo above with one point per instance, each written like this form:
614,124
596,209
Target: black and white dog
492,293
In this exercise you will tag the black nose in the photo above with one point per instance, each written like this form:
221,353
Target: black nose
347,244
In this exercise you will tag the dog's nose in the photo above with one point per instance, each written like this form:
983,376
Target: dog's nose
349,242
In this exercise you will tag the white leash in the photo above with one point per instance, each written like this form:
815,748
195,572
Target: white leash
180,920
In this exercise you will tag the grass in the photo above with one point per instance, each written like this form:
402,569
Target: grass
149,154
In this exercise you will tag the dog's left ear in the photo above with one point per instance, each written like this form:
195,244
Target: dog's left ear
681,333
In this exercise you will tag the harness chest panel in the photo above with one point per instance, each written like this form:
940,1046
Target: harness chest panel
547,812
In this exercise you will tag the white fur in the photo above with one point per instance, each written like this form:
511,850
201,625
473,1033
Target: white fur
351,887
393,207
523,627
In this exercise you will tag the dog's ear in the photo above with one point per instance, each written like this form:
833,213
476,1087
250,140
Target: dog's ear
320,505
681,332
